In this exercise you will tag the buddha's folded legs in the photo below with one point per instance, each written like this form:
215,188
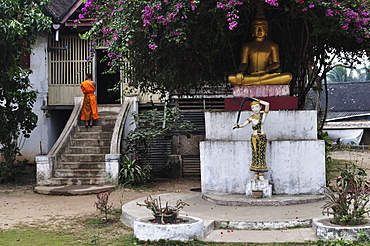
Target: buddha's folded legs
266,79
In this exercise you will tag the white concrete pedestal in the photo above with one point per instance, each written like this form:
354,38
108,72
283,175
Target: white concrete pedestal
262,185
294,156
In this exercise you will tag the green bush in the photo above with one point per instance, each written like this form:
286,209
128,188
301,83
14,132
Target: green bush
132,173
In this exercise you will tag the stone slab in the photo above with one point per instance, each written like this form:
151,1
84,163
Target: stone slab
241,200
262,236
276,103
72,189
295,167
261,91
328,231
241,221
279,125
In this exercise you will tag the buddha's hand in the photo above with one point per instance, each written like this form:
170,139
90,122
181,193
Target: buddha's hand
236,126
259,72
239,76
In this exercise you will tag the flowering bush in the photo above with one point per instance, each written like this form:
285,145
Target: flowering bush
103,205
348,197
183,45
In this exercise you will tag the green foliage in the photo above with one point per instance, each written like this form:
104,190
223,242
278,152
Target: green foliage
151,125
132,173
339,74
197,47
363,237
348,196
20,22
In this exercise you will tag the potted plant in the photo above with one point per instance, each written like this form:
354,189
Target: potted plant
163,214
257,193
348,197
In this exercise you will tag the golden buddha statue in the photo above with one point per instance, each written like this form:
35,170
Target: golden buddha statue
258,58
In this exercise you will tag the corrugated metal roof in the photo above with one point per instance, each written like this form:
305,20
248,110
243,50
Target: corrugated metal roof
57,9
358,124
348,96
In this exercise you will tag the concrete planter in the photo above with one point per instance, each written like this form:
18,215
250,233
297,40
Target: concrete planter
328,231
191,229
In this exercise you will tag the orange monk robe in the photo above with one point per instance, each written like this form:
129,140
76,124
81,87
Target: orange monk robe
89,108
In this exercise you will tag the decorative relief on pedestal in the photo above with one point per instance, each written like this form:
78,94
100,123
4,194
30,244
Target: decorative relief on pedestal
261,91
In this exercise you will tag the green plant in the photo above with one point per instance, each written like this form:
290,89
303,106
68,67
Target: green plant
155,205
348,196
132,173
103,205
151,125
20,24
363,237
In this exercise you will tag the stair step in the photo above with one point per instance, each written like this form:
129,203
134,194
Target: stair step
87,150
77,181
105,128
92,135
83,157
101,121
83,160
82,165
90,142
74,173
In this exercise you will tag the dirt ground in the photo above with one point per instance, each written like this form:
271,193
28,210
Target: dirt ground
21,205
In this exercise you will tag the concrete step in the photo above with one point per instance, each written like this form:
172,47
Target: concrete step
87,150
83,161
77,181
82,157
81,173
95,128
92,135
101,121
73,189
90,142
82,165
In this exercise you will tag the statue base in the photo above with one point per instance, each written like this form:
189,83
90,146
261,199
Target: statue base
260,185
261,91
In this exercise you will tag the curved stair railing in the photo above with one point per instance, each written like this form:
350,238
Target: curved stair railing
112,159
46,163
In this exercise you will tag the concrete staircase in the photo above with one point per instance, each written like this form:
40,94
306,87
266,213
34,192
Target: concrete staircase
83,159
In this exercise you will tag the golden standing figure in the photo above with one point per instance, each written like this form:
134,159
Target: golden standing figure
259,58
258,138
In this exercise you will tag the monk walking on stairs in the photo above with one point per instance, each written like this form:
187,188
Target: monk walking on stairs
89,110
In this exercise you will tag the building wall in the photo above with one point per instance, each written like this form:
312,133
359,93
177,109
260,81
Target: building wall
42,137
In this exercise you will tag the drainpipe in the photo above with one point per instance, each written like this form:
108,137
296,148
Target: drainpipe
165,109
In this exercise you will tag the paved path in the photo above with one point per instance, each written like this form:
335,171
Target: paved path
243,223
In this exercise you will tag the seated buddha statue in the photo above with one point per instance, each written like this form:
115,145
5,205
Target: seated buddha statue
259,59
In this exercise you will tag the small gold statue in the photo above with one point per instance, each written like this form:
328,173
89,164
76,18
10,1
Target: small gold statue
260,57
258,138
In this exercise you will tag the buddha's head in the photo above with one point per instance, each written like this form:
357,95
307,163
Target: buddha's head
260,25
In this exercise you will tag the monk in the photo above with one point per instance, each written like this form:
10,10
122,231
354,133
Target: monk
259,59
89,110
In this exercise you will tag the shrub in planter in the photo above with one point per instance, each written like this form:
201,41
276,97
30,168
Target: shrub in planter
348,197
163,214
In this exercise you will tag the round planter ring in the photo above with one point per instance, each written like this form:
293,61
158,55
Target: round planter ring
328,231
193,228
